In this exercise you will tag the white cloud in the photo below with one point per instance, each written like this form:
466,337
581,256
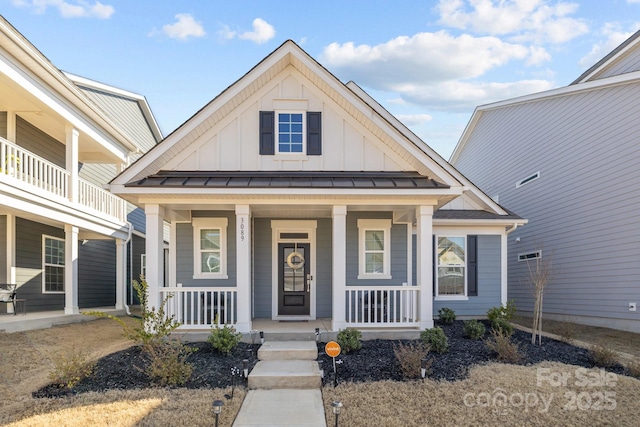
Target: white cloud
262,32
614,36
532,20
69,9
185,26
414,119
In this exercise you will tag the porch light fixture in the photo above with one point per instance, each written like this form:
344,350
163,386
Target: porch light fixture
217,409
336,406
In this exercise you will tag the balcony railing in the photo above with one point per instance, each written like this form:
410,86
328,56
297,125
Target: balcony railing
53,181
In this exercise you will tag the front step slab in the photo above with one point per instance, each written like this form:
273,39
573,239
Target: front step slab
288,350
285,374
281,408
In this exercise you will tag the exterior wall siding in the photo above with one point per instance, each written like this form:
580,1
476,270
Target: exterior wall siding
262,268
582,210
97,274
29,265
184,251
3,124
137,218
627,64
324,270
33,139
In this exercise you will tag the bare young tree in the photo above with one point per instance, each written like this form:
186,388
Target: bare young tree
539,277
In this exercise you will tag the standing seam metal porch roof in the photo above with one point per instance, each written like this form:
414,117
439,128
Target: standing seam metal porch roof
280,179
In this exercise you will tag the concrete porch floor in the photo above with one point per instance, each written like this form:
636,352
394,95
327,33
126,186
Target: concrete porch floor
45,319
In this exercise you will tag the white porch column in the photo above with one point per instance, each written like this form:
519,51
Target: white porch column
10,249
121,272
71,162
71,269
339,266
424,265
243,267
154,248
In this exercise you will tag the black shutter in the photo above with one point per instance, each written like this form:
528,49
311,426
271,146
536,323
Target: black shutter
435,262
472,266
314,133
267,143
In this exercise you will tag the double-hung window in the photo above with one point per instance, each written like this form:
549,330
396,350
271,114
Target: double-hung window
451,259
53,262
374,240
291,132
210,248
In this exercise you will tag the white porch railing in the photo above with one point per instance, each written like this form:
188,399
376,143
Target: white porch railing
53,180
201,308
381,306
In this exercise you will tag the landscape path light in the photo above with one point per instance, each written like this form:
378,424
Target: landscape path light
261,337
245,368
217,409
336,406
423,368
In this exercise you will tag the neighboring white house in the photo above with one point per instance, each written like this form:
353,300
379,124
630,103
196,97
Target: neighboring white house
292,196
64,239
569,160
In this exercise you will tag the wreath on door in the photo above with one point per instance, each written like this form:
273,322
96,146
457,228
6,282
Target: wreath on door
291,260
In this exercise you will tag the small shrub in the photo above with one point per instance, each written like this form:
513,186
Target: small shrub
168,362
633,369
447,315
506,312
503,325
224,339
71,367
410,358
500,343
474,329
436,339
566,331
603,355
349,340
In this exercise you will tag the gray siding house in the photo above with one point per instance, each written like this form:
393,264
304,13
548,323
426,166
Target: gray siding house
293,196
66,243
568,159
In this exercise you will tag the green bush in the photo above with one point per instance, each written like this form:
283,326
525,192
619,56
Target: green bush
71,367
501,344
503,325
603,355
410,358
503,312
474,329
447,315
224,339
168,362
436,338
349,340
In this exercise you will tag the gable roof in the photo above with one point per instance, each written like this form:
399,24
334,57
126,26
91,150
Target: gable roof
351,98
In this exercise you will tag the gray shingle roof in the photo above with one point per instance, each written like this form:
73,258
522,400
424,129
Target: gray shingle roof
468,214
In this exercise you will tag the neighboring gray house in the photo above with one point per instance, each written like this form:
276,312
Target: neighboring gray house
292,196
66,242
569,160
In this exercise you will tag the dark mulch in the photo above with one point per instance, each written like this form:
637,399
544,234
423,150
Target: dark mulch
375,361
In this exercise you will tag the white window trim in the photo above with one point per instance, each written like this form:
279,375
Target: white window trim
368,225
523,256
303,154
447,297
44,265
210,223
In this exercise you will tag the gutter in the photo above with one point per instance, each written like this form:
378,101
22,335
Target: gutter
513,228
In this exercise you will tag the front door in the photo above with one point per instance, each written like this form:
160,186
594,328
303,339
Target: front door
294,280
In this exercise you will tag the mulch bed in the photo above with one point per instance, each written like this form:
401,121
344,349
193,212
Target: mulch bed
375,361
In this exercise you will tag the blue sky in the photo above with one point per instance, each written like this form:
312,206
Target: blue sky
430,63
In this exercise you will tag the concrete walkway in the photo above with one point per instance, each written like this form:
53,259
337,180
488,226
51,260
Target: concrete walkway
284,387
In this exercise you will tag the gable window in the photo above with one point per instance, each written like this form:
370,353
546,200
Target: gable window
53,262
290,133
374,240
210,248
451,263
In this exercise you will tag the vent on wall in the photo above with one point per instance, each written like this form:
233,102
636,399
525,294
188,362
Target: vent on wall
529,255
528,179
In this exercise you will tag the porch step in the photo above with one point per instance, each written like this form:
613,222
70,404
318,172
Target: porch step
285,374
288,350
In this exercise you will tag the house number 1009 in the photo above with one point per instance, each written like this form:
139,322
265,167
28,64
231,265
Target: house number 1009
242,229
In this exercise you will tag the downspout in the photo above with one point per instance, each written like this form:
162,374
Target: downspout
515,225
126,306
